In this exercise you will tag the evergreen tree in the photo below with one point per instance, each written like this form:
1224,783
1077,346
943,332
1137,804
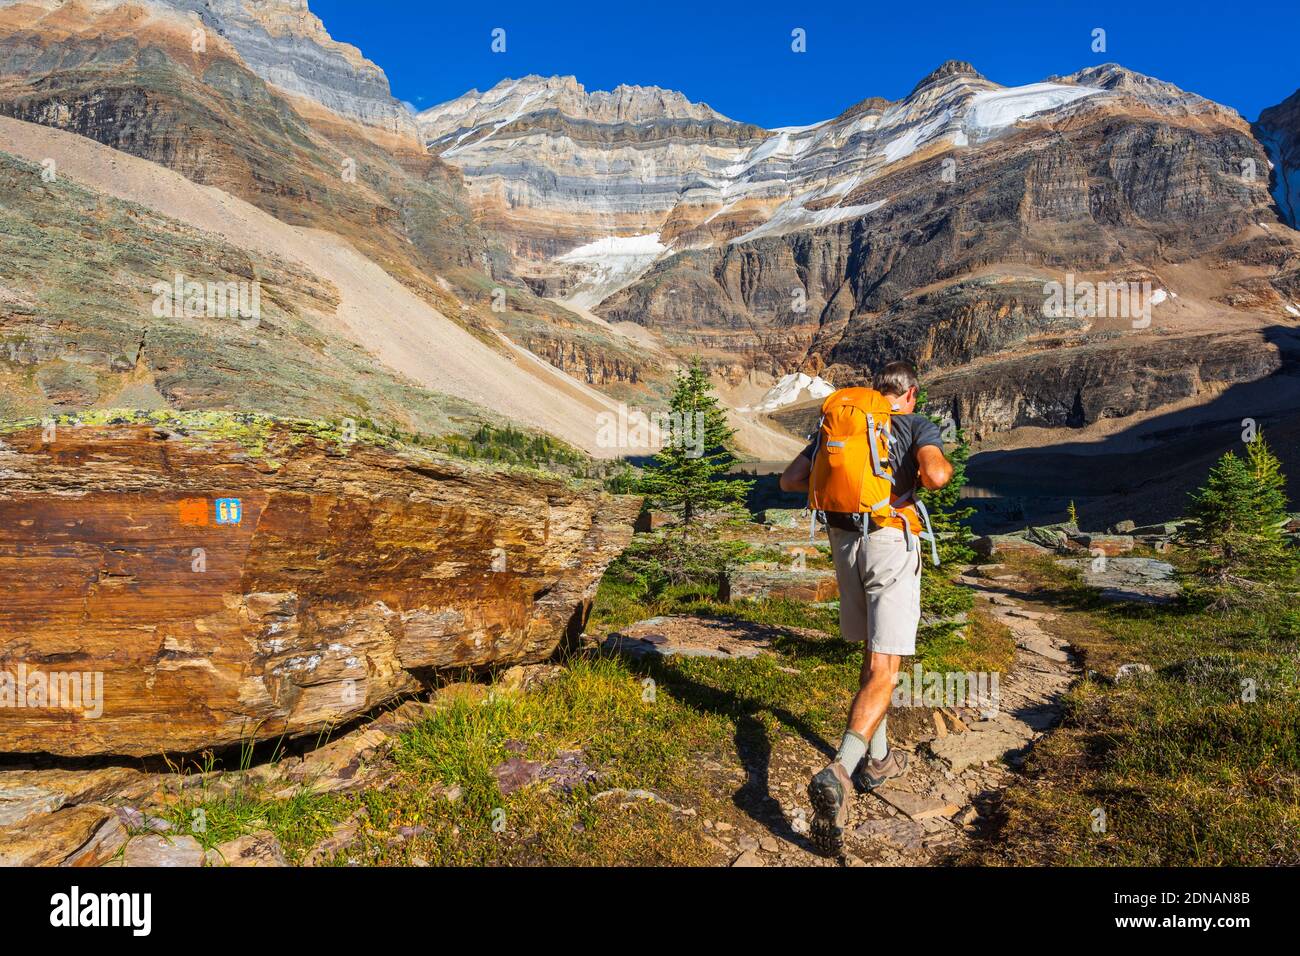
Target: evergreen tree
947,517
1236,521
687,475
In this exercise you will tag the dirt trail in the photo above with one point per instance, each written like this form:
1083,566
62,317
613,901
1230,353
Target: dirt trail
957,770
375,310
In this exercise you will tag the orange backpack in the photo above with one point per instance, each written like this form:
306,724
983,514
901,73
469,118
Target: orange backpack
851,471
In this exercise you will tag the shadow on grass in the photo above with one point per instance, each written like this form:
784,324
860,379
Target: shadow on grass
752,738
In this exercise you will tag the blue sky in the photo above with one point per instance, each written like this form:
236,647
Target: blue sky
737,57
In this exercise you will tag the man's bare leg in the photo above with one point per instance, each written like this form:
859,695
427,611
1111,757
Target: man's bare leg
830,789
875,689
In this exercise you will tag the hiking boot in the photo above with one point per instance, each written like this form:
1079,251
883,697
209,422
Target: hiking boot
872,773
829,793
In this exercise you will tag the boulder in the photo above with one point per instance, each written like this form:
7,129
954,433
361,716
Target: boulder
171,589
1052,538
807,585
1006,544
1142,580
1163,530
1107,544
1123,527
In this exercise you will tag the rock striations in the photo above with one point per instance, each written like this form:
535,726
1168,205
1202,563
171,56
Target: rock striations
199,583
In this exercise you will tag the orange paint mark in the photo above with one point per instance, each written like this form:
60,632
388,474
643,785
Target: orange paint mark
194,512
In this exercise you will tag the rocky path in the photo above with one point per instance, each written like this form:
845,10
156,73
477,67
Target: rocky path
958,766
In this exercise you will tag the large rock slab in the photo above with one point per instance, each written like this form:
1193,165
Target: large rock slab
344,570
960,751
1107,544
55,838
1141,580
759,583
25,794
991,545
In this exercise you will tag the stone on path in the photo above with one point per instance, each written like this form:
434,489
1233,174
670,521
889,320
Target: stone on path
1029,615
160,850
900,832
960,751
915,805
1043,648
748,858
253,849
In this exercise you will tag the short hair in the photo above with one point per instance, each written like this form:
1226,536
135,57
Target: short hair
896,378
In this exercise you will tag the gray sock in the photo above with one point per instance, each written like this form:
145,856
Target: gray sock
852,749
879,743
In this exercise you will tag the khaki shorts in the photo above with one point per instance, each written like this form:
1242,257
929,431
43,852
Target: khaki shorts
880,588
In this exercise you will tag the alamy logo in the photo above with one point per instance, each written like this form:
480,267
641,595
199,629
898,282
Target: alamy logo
81,691
632,428
72,909
1084,299
976,690
189,299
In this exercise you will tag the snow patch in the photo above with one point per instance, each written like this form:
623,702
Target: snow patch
610,264
1286,182
791,216
789,390
991,111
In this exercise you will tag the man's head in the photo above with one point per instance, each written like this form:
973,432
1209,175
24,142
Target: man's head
897,381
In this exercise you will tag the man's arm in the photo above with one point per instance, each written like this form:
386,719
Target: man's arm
795,476
932,468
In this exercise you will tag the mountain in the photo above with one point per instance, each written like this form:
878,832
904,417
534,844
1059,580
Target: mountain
927,227
266,153
540,253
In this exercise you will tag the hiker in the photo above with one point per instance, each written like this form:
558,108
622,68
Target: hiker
878,533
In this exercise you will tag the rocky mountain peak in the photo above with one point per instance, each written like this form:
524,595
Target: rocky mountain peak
1155,93
947,70
513,98
286,44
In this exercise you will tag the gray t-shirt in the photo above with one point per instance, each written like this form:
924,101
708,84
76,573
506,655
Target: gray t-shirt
907,434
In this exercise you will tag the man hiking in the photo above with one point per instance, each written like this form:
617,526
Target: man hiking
861,472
